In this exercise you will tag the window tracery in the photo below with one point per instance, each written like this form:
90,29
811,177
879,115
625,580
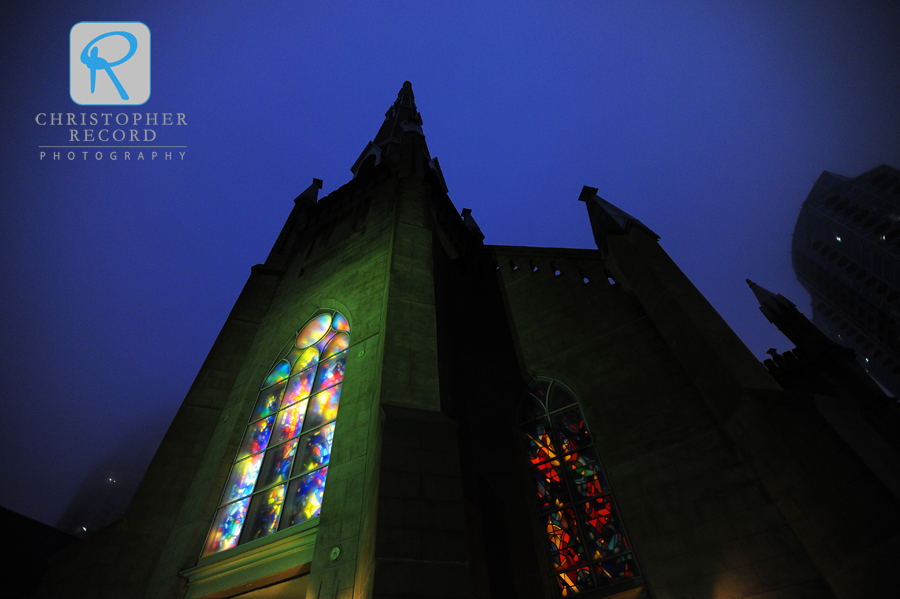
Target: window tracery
278,476
585,540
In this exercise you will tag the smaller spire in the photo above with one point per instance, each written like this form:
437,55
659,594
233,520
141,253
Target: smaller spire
825,366
769,299
784,314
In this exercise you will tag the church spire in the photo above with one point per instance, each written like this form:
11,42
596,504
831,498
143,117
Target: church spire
401,117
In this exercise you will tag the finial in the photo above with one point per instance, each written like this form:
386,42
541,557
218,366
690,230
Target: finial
470,223
311,194
406,96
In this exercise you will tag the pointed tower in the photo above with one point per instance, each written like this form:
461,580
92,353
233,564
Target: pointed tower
400,118
784,314
816,364
287,459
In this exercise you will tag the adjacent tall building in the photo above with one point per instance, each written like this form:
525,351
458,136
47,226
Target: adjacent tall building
846,252
394,409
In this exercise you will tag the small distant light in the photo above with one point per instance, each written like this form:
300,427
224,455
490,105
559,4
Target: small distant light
882,238
867,359
84,529
837,237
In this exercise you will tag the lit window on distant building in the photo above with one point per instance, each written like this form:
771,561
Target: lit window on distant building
278,476
585,540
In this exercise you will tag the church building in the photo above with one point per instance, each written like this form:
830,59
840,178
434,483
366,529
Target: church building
394,409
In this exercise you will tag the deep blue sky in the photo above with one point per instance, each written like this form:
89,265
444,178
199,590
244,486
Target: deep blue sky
709,123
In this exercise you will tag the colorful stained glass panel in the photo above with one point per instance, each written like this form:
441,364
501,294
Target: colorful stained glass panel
330,372
314,331
338,343
323,343
307,358
226,527
340,322
290,421
602,532
256,438
323,407
267,402
575,581
298,387
262,517
539,445
617,569
243,476
315,449
276,466
572,432
586,542
278,374
586,475
566,549
305,385
551,486
304,498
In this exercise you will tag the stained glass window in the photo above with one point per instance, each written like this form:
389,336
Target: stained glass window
278,476
585,541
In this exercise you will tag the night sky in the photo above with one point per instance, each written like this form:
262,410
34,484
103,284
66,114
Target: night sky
709,123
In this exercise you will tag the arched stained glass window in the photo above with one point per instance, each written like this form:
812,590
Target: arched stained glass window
584,536
278,476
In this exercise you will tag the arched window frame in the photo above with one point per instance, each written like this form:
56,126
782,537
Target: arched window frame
585,541
277,479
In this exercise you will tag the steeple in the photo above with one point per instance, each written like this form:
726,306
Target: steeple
817,364
784,314
401,117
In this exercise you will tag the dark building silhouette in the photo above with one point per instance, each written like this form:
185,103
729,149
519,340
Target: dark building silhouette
27,546
100,500
106,490
846,252
395,409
